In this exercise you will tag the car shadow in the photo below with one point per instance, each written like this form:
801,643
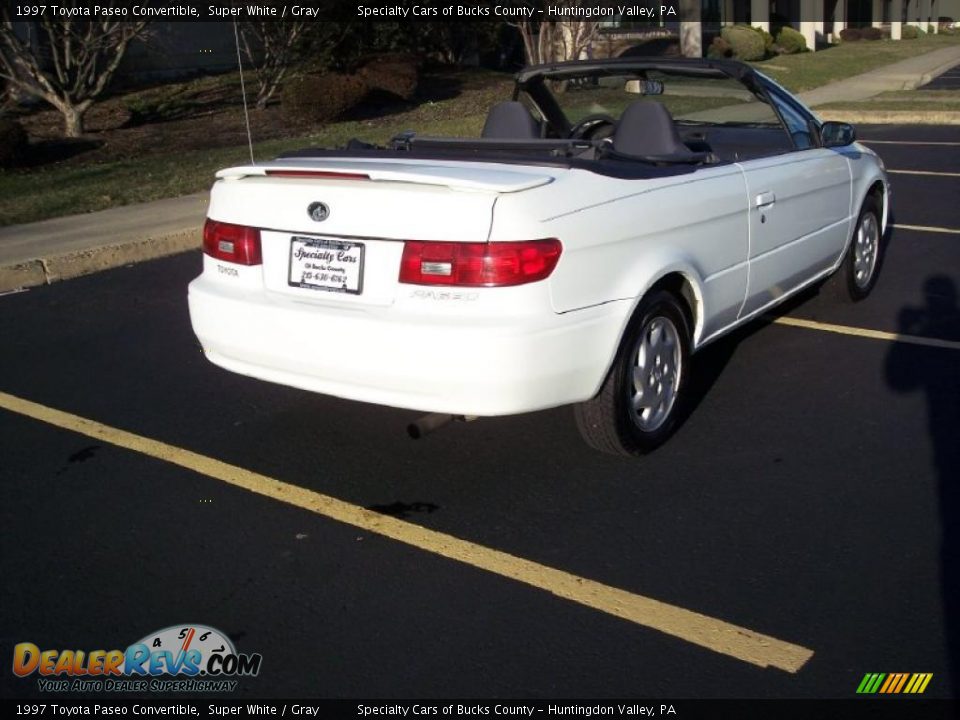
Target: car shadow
708,364
935,372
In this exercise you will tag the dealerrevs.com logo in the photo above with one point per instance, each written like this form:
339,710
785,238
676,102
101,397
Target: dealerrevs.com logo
180,658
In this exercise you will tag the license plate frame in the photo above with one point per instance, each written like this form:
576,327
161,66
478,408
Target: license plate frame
326,264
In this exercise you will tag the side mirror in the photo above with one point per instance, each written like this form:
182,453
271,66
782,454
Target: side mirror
837,134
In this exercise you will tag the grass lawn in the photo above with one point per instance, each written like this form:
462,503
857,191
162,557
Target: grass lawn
129,170
810,70
70,189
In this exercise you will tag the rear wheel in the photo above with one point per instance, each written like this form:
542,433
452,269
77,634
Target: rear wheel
640,401
858,272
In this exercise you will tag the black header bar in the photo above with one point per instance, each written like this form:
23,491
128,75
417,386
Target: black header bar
652,11
898,708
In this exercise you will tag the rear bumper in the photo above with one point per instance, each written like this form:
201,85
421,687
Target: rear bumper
431,364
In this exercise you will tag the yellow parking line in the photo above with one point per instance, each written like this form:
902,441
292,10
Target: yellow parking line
707,632
872,334
927,228
923,172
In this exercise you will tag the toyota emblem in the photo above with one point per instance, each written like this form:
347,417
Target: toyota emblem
318,211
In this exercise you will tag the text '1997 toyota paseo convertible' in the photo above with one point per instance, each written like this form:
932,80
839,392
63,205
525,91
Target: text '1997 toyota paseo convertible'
614,217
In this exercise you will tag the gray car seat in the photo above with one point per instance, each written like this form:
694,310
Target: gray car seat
646,130
510,120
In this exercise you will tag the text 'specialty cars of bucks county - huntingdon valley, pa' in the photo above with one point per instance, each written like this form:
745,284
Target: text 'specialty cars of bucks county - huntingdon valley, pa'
613,218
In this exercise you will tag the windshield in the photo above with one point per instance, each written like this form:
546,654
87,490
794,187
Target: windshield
691,99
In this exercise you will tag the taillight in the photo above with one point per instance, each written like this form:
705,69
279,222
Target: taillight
493,264
233,243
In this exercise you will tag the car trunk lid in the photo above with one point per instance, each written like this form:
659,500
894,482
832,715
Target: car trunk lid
332,230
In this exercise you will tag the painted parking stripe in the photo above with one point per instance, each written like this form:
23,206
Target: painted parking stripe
923,172
865,333
906,142
927,228
707,632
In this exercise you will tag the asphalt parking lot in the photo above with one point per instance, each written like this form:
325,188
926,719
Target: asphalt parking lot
798,532
950,80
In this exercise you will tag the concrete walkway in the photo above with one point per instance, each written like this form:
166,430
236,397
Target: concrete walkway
904,75
60,248
50,250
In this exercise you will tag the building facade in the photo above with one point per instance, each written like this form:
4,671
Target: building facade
820,21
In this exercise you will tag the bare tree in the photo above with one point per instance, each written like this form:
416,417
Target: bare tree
555,40
72,65
275,48
272,48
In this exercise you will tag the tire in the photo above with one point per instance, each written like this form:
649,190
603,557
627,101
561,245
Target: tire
860,268
655,350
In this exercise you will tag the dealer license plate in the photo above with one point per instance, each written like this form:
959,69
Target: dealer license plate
325,264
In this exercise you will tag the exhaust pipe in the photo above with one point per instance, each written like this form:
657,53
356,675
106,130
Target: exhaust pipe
434,421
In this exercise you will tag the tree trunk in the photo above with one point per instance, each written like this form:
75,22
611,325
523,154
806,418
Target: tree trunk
72,120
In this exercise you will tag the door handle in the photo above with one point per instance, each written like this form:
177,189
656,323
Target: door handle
764,199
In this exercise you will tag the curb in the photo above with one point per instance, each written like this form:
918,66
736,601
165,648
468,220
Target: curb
44,271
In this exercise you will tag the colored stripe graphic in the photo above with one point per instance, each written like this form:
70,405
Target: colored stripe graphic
862,687
900,682
891,678
894,683
876,683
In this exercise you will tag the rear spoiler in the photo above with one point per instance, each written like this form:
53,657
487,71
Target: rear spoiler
462,176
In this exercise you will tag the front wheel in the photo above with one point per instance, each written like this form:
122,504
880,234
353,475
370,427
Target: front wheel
858,272
639,404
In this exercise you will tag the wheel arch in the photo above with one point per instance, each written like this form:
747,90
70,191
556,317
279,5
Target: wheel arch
600,419
691,298
877,189
682,281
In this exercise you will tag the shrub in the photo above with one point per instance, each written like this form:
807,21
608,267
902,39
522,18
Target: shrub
871,33
744,42
910,32
767,38
931,29
393,74
13,141
850,35
719,48
321,98
149,107
791,41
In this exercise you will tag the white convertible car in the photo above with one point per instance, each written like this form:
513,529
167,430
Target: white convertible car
614,217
